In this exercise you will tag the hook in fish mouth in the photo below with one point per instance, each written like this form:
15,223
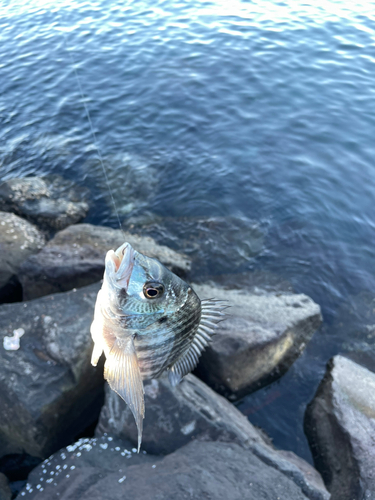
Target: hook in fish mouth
121,264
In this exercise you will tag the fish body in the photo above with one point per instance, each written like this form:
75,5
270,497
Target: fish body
147,321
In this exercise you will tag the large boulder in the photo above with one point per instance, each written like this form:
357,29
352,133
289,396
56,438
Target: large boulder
175,416
50,202
49,392
105,468
340,426
263,336
18,240
75,258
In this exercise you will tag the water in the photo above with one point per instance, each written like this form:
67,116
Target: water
257,111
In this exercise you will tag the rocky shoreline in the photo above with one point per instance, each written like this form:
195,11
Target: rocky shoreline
64,434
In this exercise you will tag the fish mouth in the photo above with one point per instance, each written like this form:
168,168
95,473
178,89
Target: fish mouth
122,263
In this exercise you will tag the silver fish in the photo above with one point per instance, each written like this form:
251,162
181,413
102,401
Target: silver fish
147,320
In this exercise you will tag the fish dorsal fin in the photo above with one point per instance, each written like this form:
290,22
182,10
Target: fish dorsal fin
122,372
212,313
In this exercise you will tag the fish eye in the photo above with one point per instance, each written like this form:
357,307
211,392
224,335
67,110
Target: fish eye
152,290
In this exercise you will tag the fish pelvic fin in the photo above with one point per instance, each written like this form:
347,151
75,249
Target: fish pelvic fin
96,353
212,314
96,330
122,372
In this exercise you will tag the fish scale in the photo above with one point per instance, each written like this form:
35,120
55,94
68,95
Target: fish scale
144,334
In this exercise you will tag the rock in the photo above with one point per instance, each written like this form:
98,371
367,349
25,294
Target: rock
264,335
18,240
225,243
104,468
175,416
5,491
75,258
50,202
192,411
340,427
49,392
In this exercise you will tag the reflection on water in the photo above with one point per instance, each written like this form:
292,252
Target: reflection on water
260,112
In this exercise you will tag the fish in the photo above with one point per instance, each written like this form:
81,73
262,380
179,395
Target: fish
148,321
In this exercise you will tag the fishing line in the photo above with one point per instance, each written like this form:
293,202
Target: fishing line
84,100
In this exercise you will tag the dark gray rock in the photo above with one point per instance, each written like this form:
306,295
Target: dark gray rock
49,392
264,335
340,426
18,240
75,258
193,411
50,202
5,491
175,416
99,468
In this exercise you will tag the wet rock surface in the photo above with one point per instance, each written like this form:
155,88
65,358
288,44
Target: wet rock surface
5,491
49,392
192,411
175,416
50,202
265,333
75,258
18,240
340,426
105,468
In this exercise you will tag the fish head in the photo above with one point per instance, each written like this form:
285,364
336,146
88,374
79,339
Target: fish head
143,289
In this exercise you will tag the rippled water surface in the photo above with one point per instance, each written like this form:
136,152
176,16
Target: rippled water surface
259,114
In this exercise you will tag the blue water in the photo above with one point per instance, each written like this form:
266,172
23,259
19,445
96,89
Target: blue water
261,112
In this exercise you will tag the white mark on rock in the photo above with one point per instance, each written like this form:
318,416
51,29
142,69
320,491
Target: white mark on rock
13,343
104,446
188,428
122,479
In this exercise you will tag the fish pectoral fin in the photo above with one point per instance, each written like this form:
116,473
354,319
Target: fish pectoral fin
211,315
122,372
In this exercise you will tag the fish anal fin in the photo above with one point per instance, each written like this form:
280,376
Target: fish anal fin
122,372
